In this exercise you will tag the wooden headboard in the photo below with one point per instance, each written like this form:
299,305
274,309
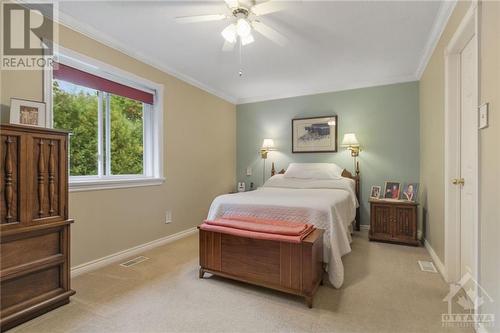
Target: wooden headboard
345,174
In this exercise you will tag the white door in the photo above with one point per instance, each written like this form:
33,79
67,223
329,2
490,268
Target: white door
468,157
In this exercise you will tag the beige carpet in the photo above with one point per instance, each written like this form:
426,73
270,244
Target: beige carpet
384,291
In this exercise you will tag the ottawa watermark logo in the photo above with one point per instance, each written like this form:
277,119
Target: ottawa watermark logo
29,35
464,302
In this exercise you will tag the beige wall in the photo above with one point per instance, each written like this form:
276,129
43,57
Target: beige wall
489,140
199,141
432,137
432,145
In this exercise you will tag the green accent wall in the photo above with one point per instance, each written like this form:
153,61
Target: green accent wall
384,118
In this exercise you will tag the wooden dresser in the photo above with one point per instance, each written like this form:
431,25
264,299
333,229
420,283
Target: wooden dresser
34,224
393,221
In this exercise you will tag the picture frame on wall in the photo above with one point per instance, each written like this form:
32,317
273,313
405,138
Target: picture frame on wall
27,112
392,190
410,192
375,192
314,135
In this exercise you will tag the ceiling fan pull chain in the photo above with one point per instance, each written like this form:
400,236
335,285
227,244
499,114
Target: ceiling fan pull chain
240,73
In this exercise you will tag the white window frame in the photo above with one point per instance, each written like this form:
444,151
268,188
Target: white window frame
153,124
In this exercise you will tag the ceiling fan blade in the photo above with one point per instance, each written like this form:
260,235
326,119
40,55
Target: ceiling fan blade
200,18
232,3
268,7
269,33
228,47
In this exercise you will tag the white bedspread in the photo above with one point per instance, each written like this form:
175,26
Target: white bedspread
331,207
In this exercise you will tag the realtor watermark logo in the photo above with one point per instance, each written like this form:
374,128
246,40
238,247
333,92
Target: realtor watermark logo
29,35
468,296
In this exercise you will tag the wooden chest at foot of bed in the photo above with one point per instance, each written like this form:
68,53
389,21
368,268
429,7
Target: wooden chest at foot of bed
295,268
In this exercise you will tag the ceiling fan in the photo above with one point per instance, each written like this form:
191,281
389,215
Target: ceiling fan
245,19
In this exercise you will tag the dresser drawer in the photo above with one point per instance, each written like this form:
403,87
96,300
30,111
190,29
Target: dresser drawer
26,250
30,248
39,284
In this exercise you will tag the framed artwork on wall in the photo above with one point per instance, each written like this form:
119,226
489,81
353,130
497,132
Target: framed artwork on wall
26,112
314,135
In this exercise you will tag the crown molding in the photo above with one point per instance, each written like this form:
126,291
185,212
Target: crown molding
443,15
90,32
330,89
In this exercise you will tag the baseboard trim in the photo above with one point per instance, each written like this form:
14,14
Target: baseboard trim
364,227
121,255
439,264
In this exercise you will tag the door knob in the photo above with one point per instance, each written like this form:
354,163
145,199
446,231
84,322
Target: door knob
458,181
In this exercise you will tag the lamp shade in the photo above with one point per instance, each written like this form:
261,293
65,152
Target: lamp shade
243,28
350,140
229,33
268,143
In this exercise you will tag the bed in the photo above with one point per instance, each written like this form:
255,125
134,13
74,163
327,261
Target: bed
330,204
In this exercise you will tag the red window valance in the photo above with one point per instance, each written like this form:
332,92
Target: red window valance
76,76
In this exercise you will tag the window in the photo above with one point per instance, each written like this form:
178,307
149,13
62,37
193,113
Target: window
75,108
115,138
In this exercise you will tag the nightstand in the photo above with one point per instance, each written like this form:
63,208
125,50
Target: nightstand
393,221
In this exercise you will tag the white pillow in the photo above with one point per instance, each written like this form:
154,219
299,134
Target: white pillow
282,181
314,171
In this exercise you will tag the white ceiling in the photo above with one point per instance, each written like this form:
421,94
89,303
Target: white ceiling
332,45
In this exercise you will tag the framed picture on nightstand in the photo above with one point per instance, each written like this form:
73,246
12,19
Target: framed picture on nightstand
391,190
410,192
375,192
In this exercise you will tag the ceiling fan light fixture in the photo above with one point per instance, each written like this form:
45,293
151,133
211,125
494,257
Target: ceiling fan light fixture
243,28
247,39
229,33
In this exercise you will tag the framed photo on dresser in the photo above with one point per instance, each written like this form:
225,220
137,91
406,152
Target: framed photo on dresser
26,112
314,135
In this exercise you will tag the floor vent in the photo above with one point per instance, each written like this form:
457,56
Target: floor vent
134,261
427,266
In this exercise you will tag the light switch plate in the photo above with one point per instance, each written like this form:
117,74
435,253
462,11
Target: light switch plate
249,171
483,116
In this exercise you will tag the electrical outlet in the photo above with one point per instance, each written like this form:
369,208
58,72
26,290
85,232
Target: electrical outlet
249,171
168,217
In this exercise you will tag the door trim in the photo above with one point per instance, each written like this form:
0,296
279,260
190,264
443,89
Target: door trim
467,29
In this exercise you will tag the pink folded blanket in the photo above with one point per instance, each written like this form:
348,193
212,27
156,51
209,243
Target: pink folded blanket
259,228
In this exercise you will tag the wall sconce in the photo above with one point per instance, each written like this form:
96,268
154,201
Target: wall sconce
350,142
267,146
